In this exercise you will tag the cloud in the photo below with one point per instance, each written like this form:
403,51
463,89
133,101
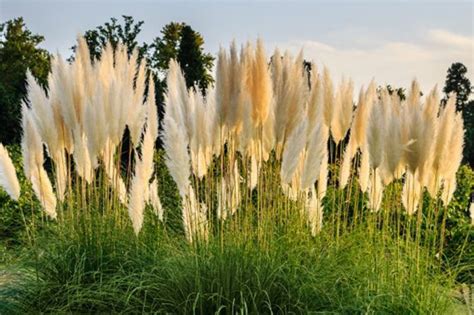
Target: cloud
393,62
455,41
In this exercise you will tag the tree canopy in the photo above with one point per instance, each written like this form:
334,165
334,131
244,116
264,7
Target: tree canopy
19,51
456,81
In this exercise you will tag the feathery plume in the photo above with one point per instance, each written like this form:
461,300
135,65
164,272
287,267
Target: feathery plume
393,143
8,178
316,150
364,170
411,193
449,187
328,97
323,176
346,165
44,191
376,135
315,212
375,191
177,157
154,199
260,86
32,148
294,146
136,202
341,122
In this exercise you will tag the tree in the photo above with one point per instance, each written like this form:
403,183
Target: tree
179,41
115,33
400,92
391,90
194,62
19,51
457,82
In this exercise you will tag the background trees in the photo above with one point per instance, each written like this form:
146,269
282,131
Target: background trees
19,51
457,82
115,33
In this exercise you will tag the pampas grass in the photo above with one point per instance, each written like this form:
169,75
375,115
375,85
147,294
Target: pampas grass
258,140
271,154
8,178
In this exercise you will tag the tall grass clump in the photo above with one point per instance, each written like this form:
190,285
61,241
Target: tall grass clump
286,195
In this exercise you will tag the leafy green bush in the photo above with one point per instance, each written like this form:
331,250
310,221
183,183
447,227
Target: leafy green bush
17,217
459,251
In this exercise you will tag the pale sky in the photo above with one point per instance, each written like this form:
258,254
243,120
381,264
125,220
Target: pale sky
390,41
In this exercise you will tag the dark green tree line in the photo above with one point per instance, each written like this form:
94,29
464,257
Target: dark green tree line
19,51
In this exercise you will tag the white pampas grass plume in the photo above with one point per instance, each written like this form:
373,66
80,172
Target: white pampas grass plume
376,135
61,173
8,178
154,199
323,177
411,193
449,187
414,95
177,157
346,165
229,194
44,191
415,127
140,181
456,146
268,135
260,86
176,97
316,151
235,189
32,148
113,173
443,135
364,170
43,115
427,141
359,123
316,101
253,172
152,117
136,202
315,212
289,97
82,159
293,148
194,217
222,87
393,143
95,115
222,199
328,97
375,191
341,122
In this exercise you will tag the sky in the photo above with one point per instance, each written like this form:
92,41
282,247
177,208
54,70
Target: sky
392,42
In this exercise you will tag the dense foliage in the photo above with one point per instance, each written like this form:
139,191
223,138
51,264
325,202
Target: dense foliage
19,51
